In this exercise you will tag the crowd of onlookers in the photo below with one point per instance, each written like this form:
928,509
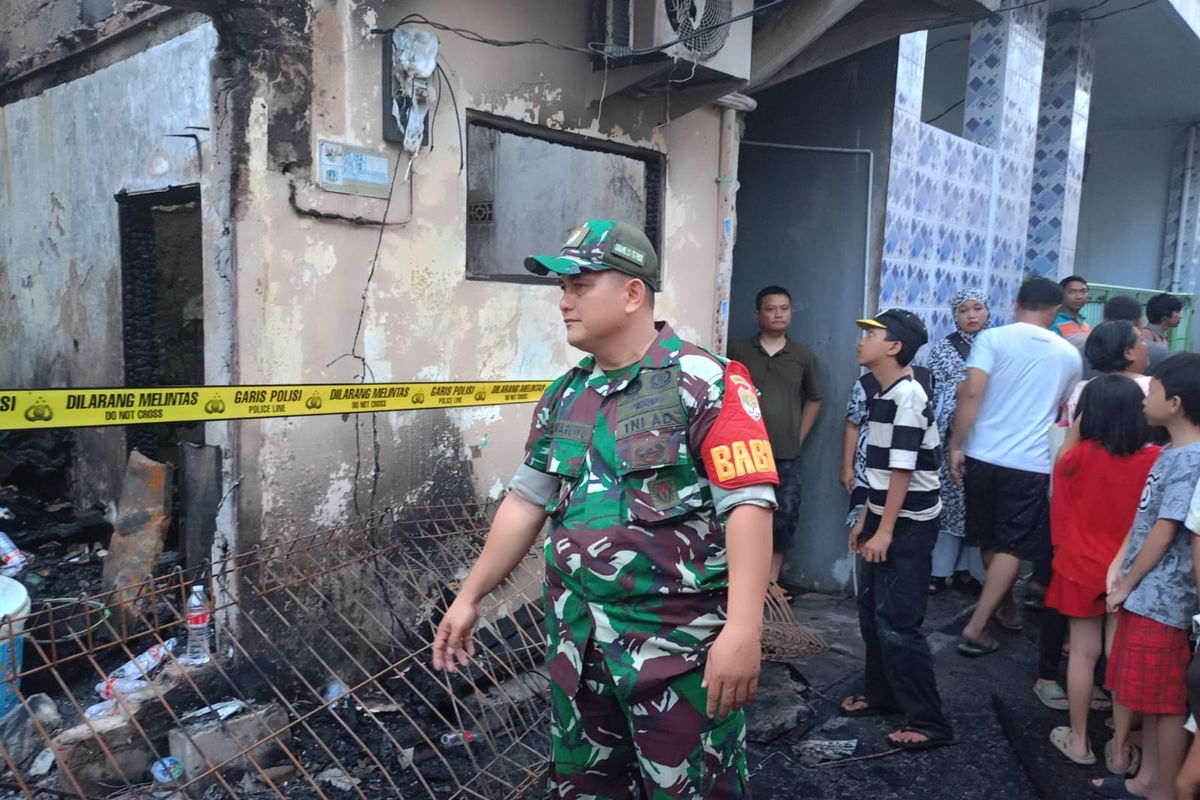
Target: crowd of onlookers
1044,445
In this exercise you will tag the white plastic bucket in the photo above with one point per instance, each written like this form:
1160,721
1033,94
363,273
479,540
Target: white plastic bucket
14,608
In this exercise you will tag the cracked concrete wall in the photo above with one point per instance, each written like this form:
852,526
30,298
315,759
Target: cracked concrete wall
300,282
64,155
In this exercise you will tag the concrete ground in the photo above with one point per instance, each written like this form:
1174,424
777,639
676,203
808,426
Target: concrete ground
1003,747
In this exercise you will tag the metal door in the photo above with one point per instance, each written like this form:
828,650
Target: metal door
803,223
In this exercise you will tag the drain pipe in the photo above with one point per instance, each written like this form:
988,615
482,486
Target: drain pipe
732,107
1184,201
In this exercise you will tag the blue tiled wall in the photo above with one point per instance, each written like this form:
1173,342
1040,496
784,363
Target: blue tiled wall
939,190
1061,146
958,207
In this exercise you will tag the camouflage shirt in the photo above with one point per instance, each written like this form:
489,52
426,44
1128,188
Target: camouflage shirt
635,556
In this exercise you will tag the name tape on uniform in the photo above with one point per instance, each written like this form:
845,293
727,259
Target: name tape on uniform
84,408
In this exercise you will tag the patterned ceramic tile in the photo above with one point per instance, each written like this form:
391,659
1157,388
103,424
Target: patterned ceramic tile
1061,145
964,211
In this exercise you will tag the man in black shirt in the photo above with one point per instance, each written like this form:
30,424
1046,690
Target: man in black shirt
789,380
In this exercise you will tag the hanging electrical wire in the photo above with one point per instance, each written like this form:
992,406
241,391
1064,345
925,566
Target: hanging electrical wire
942,44
592,48
457,116
944,113
1118,11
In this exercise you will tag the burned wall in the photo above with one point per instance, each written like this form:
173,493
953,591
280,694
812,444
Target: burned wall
46,43
315,304
64,156
31,31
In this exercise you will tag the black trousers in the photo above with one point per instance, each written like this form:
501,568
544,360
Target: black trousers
892,597
1050,644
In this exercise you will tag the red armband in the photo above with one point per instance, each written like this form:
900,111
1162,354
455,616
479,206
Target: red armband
736,451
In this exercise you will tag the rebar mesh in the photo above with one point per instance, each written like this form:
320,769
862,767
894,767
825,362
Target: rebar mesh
329,650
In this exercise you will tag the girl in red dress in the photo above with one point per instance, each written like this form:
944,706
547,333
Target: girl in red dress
1097,484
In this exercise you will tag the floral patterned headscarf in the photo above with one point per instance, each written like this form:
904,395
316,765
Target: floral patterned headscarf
962,296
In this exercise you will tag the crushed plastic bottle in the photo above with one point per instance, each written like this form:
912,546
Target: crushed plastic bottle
145,663
112,687
334,691
222,710
13,559
457,738
337,695
199,636
131,676
105,708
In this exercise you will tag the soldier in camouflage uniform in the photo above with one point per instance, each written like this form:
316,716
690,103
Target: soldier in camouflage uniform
652,463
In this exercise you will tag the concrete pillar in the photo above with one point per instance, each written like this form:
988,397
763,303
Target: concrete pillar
1188,254
1061,145
1004,77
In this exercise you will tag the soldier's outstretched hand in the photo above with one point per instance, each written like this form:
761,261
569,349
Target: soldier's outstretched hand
454,643
731,673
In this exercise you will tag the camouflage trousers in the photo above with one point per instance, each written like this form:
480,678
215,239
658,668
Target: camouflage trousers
662,746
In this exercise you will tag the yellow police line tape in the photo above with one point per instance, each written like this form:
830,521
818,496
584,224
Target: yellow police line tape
83,408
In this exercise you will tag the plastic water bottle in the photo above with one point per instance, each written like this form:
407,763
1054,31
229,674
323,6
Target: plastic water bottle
13,559
199,636
114,686
131,676
146,662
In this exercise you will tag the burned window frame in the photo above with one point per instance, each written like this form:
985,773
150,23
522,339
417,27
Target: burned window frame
135,211
656,181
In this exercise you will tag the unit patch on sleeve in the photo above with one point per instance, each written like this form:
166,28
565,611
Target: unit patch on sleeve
736,451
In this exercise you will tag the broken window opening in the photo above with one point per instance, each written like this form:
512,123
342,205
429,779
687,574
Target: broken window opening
162,294
162,290
518,202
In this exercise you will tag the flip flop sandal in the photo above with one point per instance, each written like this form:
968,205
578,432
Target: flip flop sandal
1060,737
928,743
1113,786
866,711
1135,760
1100,701
975,649
1052,696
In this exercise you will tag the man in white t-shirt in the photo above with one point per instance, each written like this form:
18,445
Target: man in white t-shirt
1018,376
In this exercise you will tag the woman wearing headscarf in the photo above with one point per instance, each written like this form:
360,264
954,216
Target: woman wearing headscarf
952,558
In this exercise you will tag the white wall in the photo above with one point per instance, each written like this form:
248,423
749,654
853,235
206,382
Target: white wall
1123,206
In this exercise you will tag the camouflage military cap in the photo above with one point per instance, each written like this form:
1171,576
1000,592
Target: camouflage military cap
602,244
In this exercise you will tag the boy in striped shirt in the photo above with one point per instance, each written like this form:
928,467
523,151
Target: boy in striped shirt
895,537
